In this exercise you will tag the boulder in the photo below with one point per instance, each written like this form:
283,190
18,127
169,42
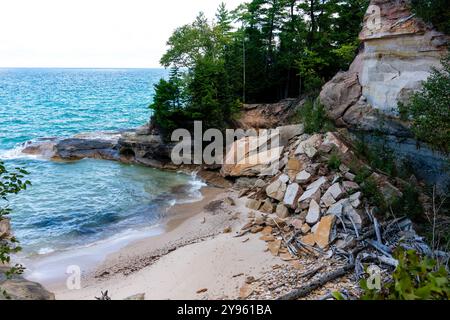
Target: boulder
18,288
282,211
313,213
294,164
253,204
341,92
303,177
76,149
333,194
309,146
286,133
267,207
293,192
245,158
323,232
276,190
309,239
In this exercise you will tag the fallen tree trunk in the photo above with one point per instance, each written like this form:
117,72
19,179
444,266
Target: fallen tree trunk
307,289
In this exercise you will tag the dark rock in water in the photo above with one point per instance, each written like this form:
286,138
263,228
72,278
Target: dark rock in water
18,288
76,149
145,149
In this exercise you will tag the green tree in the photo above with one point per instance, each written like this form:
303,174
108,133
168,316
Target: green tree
429,109
436,12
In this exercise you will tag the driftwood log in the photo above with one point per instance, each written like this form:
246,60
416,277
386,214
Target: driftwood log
313,285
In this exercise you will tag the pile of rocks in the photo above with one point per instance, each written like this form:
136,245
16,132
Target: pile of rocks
307,193
306,203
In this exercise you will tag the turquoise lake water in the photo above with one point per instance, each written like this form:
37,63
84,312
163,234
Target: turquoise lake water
76,204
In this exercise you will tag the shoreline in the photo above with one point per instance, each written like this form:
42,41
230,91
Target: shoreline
192,254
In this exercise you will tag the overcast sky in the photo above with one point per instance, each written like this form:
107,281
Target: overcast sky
93,33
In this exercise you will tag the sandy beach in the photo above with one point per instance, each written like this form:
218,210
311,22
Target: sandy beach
193,259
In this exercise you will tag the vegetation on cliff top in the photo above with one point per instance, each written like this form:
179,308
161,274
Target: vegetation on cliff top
429,109
11,182
262,51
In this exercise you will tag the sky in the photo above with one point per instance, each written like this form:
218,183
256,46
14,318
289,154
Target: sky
93,33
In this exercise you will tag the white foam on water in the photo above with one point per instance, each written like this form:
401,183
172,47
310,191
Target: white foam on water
51,267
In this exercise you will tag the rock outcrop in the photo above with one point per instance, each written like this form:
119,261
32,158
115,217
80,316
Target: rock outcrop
399,52
267,116
16,287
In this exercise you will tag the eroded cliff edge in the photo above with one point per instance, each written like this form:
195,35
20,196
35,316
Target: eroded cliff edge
398,52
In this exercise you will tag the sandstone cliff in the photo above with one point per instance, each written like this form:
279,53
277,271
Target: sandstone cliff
399,51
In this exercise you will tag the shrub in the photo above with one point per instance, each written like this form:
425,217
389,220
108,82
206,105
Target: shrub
409,204
415,278
378,155
436,12
429,109
313,115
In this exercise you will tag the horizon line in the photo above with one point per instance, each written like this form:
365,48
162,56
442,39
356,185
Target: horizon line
113,68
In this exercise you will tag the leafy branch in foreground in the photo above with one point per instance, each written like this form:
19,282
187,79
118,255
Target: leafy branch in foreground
11,182
415,278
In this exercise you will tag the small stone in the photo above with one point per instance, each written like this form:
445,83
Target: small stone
323,231
317,184
284,178
227,230
257,229
309,240
267,207
305,228
202,290
282,211
229,201
260,183
277,189
245,291
343,168
253,204
267,238
250,280
303,177
297,224
349,176
327,200
313,213
336,209
267,230
310,151
350,186
274,247
243,192
296,265
139,296
291,196
294,165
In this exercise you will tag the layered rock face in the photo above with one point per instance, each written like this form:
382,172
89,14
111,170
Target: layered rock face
399,52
